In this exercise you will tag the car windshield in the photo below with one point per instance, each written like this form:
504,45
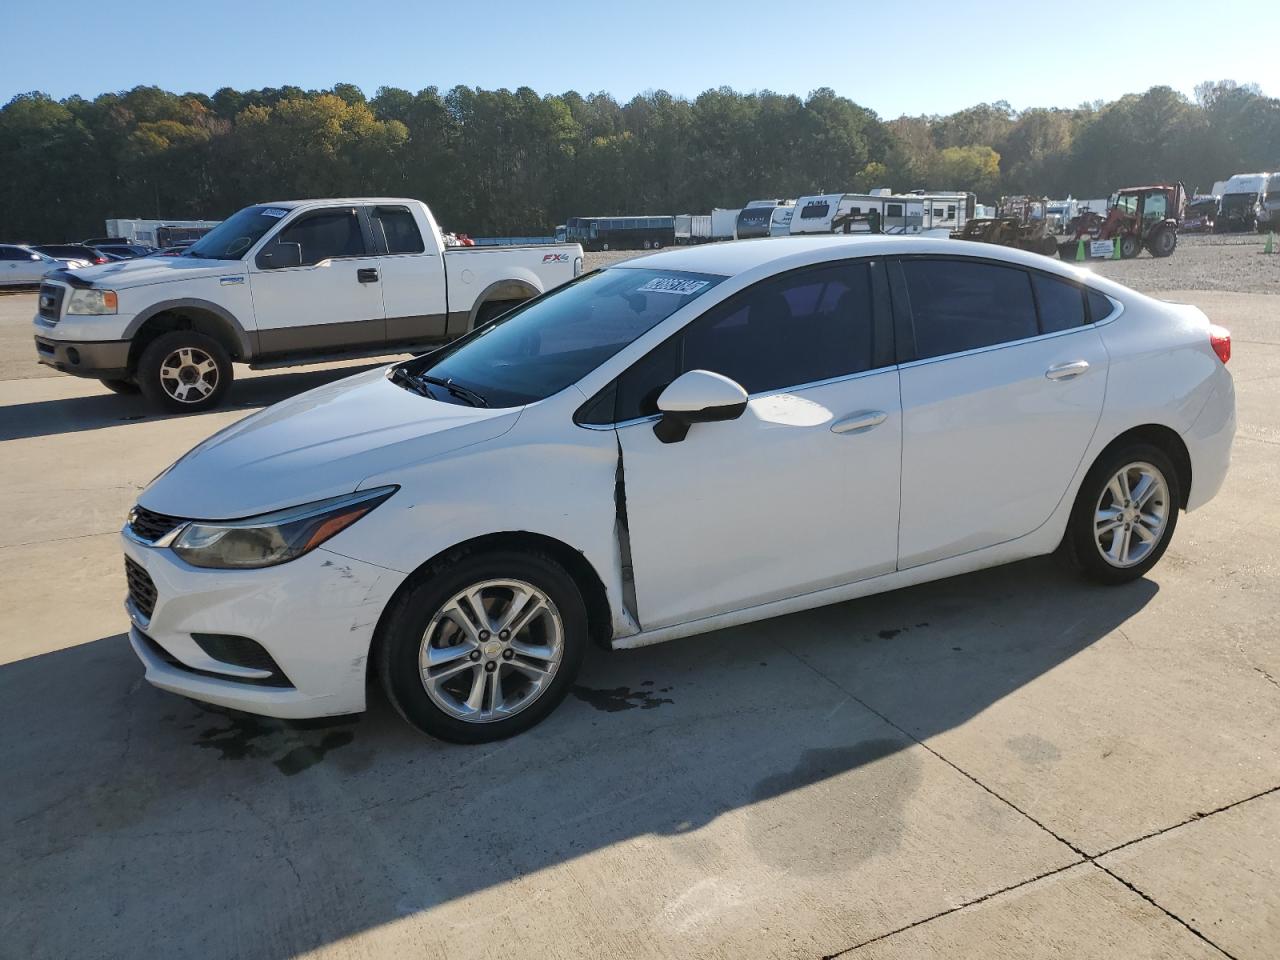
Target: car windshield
539,349
231,239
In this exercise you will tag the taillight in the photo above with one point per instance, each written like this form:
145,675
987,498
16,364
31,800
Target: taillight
1220,340
99,260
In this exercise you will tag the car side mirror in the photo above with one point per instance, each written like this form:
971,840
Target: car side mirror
698,396
280,255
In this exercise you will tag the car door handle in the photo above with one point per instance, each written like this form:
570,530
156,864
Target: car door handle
859,422
367,274
1067,371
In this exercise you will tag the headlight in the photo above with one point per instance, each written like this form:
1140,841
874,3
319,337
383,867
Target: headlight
273,538
92,302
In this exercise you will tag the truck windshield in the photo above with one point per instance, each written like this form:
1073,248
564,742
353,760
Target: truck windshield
539,349
232,238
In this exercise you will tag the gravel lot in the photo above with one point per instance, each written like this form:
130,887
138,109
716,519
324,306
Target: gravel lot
1007,764
1227,262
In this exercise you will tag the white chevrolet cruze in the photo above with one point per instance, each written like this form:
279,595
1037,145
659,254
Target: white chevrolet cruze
676,444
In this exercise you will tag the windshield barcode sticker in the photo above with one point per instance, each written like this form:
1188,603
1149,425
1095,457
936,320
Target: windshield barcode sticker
674,285
274,212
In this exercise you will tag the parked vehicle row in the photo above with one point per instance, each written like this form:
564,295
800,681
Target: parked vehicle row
603,464
281,284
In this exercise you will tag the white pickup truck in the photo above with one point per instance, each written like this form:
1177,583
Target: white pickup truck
282,284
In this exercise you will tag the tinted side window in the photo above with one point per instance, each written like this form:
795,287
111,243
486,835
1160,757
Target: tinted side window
396,227
324,235
1099,306
806,326
962,305
13,253
1061,304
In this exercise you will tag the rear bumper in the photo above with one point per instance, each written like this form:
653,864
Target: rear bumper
100,359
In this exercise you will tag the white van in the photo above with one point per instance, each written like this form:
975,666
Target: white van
1241,205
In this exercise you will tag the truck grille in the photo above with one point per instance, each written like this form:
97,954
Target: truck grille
142,590
50,304
151,526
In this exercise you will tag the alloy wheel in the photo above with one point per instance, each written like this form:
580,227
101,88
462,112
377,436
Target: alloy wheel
491,650
1131,514
188,375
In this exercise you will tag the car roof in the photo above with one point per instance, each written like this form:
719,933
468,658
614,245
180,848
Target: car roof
333,201
730,258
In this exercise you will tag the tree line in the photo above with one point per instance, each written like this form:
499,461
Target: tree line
494,162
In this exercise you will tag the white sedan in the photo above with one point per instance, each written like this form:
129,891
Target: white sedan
20,265
679,443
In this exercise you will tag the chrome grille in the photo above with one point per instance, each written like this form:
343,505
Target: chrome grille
142,589
151,526
50,304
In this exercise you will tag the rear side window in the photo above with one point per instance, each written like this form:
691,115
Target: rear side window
1100,307
397,230
959,305
1061,304
333,233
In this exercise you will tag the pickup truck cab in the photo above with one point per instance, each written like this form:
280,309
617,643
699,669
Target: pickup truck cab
282,284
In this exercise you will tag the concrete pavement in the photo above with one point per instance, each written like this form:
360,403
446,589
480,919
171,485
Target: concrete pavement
1007,764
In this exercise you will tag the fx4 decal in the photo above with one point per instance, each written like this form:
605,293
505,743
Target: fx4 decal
555,258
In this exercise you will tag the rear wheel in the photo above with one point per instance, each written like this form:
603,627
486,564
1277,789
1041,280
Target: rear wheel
120,386
485,646
1124,515
184,371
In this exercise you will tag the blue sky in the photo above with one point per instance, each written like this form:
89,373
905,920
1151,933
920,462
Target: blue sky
904,57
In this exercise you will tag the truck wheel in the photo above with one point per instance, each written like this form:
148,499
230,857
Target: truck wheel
1163,242
184,371
604,246
657,244
120,386
1129,247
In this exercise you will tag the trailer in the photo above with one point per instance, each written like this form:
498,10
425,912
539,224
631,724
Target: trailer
692,228
757,217
159,233
832,212
724,223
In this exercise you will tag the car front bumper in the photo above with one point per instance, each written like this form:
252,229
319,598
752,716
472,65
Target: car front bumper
315,617
100,359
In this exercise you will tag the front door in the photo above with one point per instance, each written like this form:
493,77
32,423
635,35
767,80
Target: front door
999,407
332,300
800,492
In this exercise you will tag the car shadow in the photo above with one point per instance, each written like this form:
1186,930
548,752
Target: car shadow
74,414
125,804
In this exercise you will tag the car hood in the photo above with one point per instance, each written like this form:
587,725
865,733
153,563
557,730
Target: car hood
142,271
319,444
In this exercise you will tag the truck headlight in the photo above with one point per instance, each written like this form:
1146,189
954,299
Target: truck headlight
92,302
273,538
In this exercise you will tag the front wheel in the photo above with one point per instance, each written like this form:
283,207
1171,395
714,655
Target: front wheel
484,646
1124,515
1129,247
1163,242
184,372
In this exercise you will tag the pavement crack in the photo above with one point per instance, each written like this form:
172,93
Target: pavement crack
1270,679
950,910
1199,815
1168,913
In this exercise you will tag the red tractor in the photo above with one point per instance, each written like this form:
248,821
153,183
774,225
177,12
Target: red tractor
1139,217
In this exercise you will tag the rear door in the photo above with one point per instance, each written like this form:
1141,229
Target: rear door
1000,399
333,300
411,272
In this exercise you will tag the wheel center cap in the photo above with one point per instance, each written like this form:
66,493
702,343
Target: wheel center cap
492,649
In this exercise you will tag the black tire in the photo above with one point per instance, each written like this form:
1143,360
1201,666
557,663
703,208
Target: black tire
657,244
1082,551
120,386
1129,247
163,391
1163,242
403,634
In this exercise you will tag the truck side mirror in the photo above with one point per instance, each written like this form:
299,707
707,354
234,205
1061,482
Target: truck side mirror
280,255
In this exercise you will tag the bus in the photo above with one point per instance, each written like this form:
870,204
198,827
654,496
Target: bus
621,233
